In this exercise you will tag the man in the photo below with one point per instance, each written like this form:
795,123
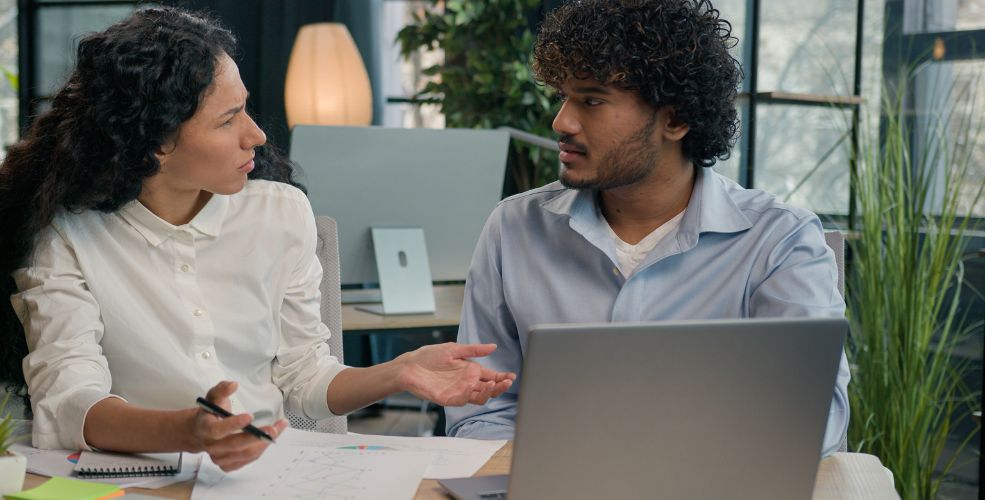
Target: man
639,228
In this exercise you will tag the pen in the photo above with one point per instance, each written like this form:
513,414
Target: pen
219,411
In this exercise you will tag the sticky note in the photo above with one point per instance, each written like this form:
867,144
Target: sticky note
63,488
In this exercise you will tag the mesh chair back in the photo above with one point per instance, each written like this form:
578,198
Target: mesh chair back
836,240
331,315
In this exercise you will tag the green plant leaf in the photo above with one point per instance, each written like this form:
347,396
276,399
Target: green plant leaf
485,80
12,78
903,291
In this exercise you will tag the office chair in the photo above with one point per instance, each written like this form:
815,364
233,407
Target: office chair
331,314
836,240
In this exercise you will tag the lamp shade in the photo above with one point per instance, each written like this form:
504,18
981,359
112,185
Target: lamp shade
327,83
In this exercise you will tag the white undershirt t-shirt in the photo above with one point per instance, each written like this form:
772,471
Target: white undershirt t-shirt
628,257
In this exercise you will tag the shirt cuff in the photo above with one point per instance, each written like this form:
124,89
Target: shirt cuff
315,399
478,429
836,430
72,415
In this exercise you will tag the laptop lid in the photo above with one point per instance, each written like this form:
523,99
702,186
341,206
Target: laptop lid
695,409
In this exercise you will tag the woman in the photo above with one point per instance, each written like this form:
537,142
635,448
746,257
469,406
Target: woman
160,250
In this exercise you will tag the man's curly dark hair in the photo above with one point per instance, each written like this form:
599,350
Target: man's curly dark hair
673,52
132,87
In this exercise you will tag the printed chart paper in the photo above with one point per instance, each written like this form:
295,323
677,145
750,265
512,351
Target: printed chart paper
453,457
310,473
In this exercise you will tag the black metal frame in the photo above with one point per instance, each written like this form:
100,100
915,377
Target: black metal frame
27,22
747,175
26,54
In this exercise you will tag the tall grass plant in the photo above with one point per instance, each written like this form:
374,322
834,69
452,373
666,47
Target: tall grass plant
904,286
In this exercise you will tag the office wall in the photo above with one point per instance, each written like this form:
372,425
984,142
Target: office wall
266,31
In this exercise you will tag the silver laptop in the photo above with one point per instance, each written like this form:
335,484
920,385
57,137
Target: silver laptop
693,409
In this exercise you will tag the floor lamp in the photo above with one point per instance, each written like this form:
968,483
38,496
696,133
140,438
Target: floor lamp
327,82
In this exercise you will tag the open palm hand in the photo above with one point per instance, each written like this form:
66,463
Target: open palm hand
445,375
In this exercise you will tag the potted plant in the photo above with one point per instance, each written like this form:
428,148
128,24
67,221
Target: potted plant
13,465
486,80
906,274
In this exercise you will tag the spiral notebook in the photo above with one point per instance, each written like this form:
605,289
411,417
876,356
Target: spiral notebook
102,464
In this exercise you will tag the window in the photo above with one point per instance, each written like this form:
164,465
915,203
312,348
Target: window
48,37
403,78
798,100
943,40
926,16
8,66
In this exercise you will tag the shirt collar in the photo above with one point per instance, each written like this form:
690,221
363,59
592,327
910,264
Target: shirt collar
584,217
208,221
156,230
711,209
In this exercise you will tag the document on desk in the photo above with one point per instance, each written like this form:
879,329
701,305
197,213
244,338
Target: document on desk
453,457
311,472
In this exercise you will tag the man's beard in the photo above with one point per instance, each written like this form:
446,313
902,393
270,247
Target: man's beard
627,163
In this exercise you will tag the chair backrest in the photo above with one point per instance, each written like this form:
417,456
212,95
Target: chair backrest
331,315
836,240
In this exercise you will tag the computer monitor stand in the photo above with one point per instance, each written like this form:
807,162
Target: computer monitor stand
404,272
361,296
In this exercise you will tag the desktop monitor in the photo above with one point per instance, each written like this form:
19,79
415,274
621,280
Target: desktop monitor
444,181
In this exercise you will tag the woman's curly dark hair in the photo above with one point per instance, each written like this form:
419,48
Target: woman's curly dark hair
673,52
133,85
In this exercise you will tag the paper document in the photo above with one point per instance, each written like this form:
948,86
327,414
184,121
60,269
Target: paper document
453,457
308,472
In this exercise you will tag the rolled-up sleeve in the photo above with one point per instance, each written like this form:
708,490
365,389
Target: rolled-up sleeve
802,281
65,369
486,319
304,366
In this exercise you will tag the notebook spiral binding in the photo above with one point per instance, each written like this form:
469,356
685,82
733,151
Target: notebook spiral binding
134,471
127,472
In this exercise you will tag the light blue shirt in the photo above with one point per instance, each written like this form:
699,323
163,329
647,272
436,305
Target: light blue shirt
547,256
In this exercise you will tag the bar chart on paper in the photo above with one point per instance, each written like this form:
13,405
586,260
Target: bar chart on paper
370,447
318,473
452,457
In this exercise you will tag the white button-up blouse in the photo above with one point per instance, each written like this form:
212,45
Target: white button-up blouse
126,305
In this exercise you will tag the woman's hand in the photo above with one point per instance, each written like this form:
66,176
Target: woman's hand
223,438
444,374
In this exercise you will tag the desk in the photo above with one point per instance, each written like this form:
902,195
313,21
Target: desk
448,310
841,476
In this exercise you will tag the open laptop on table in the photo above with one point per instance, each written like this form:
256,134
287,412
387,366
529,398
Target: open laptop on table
691,409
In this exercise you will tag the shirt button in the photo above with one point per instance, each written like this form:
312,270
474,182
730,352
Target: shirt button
198,312
615,270
206,355
185,268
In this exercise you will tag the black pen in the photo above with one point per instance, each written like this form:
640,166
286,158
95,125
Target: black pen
219,411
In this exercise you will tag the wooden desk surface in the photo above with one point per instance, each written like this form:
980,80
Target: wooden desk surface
841,476
448,310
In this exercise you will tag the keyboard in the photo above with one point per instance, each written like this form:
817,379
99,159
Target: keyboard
492,495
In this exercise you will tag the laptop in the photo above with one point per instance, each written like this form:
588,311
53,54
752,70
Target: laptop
689,409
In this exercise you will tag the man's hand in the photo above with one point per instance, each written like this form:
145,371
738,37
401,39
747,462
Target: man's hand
445,375
223,438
